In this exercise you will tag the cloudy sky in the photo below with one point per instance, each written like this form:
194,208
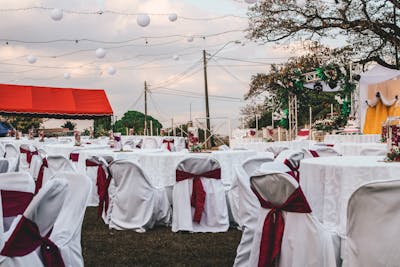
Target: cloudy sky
160,53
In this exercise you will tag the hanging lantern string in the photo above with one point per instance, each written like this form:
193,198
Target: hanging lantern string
120,13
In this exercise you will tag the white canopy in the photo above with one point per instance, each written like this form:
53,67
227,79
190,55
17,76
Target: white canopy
375,75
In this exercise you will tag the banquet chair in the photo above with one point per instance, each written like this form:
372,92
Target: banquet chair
12,154
373,151
3,165
320,151
149,143
2,150
168,144
96,169
26,154
74,157
199,202
372,234
51,165
244,205
66,233
276,150
16,190
291,158
286,233
27,242
136,204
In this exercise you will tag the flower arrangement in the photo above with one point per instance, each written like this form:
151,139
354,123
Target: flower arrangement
329,124
77,136
194,145
393,154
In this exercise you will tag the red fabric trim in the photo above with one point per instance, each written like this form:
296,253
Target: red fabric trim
39,180
314,153
74,157
35,100
294,169
29,154
198,197
102,186
274,225
26,238
168,142
14,202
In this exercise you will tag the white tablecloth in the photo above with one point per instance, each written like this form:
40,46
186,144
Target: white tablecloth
353,138
261,146
328,183
66,149
354,149
160,166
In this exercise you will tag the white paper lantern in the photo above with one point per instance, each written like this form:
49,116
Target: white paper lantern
100,52
111,70
175,57
67,75
143,20
172,17
31,59
250,1
56,14
190,39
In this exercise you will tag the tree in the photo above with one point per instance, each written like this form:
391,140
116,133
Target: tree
101,126
135,119
69,125
22,123
369,26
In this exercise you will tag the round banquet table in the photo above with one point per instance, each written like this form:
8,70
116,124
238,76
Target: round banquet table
354,149
160,166
328,183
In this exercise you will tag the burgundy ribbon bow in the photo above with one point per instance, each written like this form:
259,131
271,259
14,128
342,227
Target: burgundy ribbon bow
29,154
274,225
198,194
14,202
314,153
117,138
102,186
39,180
74,157
168,142
26,238
294,170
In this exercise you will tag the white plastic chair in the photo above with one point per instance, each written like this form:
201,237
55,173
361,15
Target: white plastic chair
12,154
304,241
247,206
373,217
42,212
214,217
136,203
66,233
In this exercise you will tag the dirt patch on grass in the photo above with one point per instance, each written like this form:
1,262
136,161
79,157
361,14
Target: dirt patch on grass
157,247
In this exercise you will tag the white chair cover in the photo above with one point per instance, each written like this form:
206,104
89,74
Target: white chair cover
57,164
149,143
372,226
12,154
91,172
168,142
215,215
13,181
24,165
373,151
247,205
324,151
136,203
305,242
3,165
276,150
2,150
66,233
43,210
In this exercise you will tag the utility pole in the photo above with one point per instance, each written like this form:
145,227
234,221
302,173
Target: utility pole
208,130
145,108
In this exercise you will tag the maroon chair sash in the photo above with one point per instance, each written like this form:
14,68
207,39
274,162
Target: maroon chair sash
102,186
198,194
39,180
168,142
29,154
74,157
314,153
274,225
26,238
14,202
294,170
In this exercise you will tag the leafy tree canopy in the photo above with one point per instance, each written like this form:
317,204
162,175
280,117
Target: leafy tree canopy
23,124
135,119
69,125
369,26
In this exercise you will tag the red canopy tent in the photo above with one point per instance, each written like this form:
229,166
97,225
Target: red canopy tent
50,102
